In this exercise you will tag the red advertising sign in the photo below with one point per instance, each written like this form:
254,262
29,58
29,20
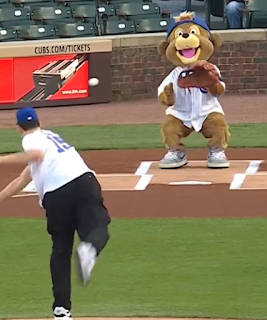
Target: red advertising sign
34,79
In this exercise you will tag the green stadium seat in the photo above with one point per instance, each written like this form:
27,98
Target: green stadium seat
72,2
17,24
50,13
116,2
21,3
114,27
4,3
143,16
70,30
106,10
42,4
256,14
153,25
137,9
36,32
7,35
14,14
84,12
58,21
110,18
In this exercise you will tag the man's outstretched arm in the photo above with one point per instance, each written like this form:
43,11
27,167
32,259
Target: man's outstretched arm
16,185
23,157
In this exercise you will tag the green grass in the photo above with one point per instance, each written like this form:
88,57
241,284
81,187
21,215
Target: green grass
201,268
136,137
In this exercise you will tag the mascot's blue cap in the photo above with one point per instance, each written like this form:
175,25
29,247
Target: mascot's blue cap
196,20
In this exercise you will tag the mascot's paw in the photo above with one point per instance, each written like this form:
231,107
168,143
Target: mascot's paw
200,74
167,96
217,89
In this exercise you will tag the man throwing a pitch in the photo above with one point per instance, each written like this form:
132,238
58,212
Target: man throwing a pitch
71,196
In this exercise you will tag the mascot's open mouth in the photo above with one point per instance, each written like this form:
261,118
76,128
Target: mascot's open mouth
188,52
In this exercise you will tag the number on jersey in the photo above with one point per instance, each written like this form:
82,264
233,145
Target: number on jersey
61,145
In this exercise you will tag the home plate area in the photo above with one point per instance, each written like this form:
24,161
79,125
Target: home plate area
242,175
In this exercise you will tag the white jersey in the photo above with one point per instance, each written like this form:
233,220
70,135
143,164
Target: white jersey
193,105
61,164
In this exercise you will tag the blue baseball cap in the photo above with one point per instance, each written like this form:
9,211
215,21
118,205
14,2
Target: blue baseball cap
196,20
26,115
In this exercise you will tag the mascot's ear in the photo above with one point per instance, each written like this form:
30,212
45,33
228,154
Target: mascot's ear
162,46
216,40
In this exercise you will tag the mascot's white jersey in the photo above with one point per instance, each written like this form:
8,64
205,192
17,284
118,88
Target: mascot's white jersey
193,105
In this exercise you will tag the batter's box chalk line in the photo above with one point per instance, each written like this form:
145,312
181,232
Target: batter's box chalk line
141,185
239,178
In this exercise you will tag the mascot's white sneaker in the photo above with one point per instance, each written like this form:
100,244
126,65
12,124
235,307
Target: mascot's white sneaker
217,159
173,160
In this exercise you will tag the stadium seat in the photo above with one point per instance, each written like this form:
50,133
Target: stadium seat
4,3
69,30
50,13
84,12
116,2
7,35
256,14
36,32
217,8
58,21
106,10
143,16
72,2
137,9
114,27
14,14
153,25
21,3
17,24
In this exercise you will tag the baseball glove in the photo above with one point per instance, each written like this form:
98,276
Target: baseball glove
200,74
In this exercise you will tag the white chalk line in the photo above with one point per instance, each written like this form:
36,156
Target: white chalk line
143,168
253,166
145,178
143,182
141,185
239,178
109,189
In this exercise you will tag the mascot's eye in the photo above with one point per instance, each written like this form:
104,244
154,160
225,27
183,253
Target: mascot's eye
193,31
180,33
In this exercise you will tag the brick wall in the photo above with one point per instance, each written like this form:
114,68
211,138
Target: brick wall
137,71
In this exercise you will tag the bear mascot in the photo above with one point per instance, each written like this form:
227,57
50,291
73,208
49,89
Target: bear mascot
189,41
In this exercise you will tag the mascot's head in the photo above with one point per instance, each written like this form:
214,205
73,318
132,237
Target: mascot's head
189,39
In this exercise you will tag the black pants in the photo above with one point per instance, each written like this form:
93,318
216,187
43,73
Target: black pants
77,206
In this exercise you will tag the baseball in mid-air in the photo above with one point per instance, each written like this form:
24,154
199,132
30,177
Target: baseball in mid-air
93,82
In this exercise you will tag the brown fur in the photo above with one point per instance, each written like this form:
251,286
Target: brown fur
215,128
173,131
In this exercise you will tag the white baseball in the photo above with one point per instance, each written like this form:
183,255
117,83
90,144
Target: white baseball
93,82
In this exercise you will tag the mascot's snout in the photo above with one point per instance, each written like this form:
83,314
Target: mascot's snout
188,47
